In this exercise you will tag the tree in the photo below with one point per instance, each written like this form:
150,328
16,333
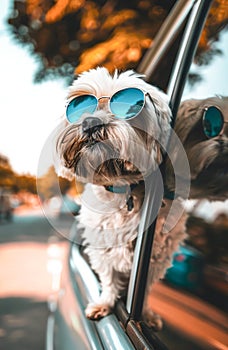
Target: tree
50,185
25,182
12,181
75,35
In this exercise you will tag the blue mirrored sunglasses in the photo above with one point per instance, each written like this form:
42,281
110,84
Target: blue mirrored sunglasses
213,121
124,104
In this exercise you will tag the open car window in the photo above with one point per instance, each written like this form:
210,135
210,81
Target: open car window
191,298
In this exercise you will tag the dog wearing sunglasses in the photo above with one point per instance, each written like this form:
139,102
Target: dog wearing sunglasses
202,126
115,132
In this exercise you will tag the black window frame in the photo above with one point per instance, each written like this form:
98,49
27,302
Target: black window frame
189,22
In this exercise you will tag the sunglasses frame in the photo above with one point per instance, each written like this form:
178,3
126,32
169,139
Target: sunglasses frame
205,109
109,103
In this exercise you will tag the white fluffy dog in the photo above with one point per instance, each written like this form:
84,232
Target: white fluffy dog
116,134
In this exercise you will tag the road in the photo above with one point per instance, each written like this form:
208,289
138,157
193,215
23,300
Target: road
30,250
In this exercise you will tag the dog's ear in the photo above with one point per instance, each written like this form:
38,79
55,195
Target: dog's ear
61,170
57,154
163,114
66,173
161,104
188,115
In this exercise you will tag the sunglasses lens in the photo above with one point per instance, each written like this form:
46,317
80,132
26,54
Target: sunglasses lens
80,105
127,103
212,122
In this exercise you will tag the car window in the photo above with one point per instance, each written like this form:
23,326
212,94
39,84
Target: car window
192,298
209,77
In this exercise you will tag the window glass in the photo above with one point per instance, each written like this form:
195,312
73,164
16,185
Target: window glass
192,298
210,79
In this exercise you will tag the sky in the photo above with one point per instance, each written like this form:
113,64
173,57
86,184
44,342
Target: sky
28,112
214,76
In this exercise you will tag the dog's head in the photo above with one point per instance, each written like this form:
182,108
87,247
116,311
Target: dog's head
117,127
202,126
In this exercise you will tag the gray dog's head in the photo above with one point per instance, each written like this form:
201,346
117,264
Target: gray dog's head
205,140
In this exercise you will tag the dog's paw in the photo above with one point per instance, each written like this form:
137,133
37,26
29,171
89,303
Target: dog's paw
153,320
97,311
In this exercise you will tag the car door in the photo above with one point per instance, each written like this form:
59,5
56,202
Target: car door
166,65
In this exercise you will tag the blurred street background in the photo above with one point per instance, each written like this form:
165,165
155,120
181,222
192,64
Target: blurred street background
31,256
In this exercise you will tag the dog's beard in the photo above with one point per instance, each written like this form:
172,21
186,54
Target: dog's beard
114,153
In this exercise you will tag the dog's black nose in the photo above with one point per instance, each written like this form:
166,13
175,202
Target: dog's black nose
91,124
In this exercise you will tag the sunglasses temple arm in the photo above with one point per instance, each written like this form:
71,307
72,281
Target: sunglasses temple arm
152,101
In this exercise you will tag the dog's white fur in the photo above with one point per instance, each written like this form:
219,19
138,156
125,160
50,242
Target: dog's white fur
119,153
